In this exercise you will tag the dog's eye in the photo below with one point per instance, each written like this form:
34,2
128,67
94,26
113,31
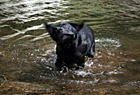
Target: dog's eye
58,31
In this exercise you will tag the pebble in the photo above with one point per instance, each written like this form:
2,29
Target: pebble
133,60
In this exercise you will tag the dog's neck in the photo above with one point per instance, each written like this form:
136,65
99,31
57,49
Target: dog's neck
66,46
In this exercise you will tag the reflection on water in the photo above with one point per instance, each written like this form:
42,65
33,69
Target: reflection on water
27,53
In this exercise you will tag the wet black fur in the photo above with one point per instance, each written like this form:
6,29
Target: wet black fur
74,42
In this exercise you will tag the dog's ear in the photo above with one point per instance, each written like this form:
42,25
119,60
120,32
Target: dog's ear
51,30
77,26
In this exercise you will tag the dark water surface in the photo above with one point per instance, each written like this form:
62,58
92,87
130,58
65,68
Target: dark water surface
27,53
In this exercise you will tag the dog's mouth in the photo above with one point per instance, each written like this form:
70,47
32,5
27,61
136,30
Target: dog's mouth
64,39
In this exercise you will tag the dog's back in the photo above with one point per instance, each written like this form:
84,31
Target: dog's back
86,43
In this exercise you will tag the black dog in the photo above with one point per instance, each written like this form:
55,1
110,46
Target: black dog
74,42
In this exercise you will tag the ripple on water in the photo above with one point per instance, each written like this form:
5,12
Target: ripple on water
28,13
29,53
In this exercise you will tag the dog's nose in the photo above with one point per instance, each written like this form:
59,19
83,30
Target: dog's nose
58,29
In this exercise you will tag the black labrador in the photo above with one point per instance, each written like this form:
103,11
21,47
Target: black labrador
74,42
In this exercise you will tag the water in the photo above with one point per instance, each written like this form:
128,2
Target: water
27,53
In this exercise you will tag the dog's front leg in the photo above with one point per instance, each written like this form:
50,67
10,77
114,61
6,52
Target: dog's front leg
81,62
59,63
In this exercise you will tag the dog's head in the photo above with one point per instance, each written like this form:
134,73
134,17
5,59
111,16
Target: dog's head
63,33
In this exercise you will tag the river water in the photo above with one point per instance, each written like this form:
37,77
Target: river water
27,53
